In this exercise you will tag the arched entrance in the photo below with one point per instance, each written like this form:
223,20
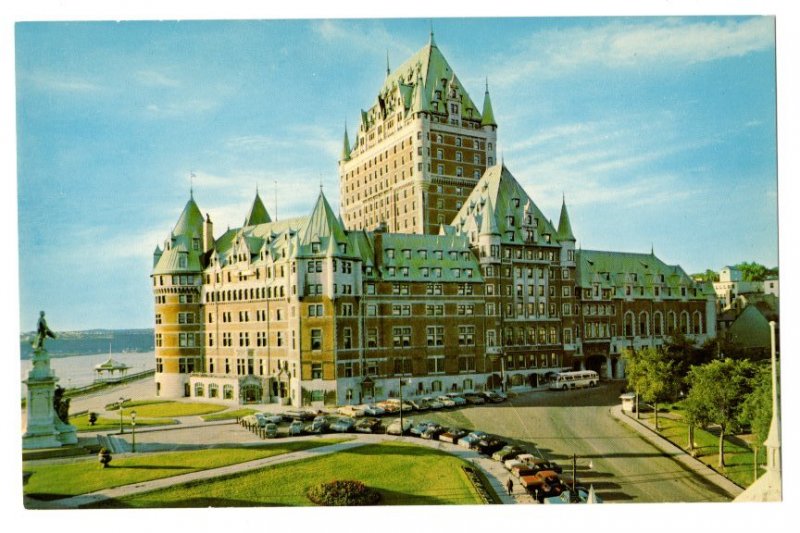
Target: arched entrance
494,381
533,380
597,363
251,393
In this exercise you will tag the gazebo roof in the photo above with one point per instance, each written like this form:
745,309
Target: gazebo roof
111,364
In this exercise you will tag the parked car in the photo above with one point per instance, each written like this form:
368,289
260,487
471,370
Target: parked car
369,425
494,397
446,401
269,418
296,428
352,411
417,405
251,420
474,398
468,441
490,445
343,425
432,403
394,427
433,431
271,430
542,464
453,435
372,410
395,403
299,414
389,407
457,399
419,428
507,452
320,424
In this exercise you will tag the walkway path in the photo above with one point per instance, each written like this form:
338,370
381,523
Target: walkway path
494,471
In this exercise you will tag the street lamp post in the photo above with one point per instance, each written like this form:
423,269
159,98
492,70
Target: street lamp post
574,495
121,401
401,407
133,431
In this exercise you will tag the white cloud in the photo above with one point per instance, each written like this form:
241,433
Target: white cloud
312,137
155,78
652,43
362,38
51,81
180,107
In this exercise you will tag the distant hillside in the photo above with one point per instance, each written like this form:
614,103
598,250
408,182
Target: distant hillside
91,342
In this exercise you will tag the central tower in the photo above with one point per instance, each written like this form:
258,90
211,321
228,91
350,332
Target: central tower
419,151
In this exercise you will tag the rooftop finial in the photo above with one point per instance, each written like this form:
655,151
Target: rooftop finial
487,84
651,248
432,43
191,185
388,70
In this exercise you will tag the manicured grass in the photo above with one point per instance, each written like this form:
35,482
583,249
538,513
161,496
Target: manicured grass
168,409
228,415
108,423
738,458
80,476
404,474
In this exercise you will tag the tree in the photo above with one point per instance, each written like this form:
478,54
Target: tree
653,377
755,272
757,406
685,354
717,393
707,276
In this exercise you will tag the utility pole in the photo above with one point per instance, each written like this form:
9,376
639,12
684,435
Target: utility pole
401,407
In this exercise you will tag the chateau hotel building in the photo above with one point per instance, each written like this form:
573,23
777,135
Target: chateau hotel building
441,272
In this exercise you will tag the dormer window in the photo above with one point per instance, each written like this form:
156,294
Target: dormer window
423,254
510,221
315,247
343,247
407,253
547,237
437,254
183,260
196,244
390,253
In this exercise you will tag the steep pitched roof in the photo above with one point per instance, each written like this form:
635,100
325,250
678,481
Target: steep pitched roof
500,196
258,213
322,223
346,147
487,117
191,220
564,227
750,329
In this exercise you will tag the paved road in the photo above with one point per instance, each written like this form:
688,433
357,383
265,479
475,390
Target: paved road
624,467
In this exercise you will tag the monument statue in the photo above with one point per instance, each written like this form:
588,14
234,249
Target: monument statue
47,411
42,331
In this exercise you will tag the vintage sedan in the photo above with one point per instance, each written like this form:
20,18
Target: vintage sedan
395,428
352,411
343,425
452,435
494,397
269,418
369,424
419,428
490,445
507,452
458,399
296,428
271,430
474,398
299,414
433,431
372,410
446,401
320,424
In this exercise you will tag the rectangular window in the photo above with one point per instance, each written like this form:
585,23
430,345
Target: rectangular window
435,336
466,335
316,339
435,365
347,338
316,370
372,338
158,339
401,337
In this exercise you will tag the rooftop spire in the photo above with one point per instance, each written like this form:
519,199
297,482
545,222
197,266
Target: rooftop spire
258,213
388,70
432,42
564,232
487,117
191,185
346,145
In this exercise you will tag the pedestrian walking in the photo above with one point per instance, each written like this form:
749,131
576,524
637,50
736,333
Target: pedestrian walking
510,486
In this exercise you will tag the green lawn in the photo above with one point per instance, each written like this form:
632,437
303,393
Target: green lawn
404,474
228,415
106,423
167,409
80,476
738,459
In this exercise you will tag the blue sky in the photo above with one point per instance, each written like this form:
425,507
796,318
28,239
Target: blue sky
657,130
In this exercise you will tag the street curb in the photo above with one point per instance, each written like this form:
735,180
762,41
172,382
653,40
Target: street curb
679,454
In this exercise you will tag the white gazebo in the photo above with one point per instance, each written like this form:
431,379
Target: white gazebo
110,371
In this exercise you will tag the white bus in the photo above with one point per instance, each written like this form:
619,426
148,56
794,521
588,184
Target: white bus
574,380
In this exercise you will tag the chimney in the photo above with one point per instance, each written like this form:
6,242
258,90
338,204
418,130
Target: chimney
208,234
378,234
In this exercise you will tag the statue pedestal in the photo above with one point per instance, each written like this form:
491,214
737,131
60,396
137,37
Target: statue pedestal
44,428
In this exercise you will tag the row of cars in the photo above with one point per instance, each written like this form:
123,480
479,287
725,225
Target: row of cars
444,401
543,479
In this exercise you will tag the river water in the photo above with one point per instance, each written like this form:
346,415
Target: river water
78,370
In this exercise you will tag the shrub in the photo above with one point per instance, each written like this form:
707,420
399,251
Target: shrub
335,493
92,419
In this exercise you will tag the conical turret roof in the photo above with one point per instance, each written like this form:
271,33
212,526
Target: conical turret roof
191,220
564,227
487,117
488,223
322,223
346,147
258,213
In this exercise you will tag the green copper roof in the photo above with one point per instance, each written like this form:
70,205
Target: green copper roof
433,258
346,147
564,226
322,223
421,103
488,224
499,195
427,69
258,213
191,220
487,117
750,329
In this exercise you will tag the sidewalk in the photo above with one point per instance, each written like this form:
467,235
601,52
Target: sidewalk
493,470
690,463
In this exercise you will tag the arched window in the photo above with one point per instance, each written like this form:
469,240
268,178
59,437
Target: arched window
658,323
644,324
671,323
199,389
697,323
629,324
684,322
213,390
227,392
